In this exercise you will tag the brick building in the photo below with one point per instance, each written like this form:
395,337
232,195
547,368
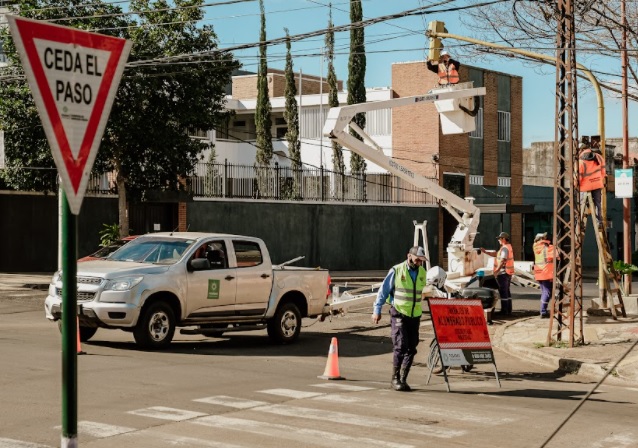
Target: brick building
486,164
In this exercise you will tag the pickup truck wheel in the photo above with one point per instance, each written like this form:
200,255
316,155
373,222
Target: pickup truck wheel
285,325
156,327
86,333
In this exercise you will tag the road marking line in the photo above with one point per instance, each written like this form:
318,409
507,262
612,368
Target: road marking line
281,431
159,437
164,413
338,398
632,388
100,430
342,418
342,387
617,440
238,403
12,443
290,393
458,415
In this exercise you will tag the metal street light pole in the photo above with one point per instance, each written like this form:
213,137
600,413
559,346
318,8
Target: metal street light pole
321,112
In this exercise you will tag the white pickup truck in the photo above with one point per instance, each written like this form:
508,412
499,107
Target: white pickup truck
212,283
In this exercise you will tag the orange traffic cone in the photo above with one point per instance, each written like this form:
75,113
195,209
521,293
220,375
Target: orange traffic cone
80,352
332,366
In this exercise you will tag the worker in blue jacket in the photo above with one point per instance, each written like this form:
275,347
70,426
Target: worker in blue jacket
402,289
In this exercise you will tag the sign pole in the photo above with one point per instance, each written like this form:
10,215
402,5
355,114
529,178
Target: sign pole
69,327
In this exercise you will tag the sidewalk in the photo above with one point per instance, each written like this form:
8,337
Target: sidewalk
606,340
20,281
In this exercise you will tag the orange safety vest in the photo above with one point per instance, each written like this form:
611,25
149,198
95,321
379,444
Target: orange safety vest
543,260
591,173
509,263
448,75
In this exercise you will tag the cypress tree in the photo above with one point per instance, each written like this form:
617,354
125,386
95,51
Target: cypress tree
291,115
356,82
333,97
263,121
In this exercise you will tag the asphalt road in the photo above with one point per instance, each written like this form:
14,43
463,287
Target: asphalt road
242,391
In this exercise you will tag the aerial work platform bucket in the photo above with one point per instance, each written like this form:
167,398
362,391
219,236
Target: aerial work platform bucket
457,115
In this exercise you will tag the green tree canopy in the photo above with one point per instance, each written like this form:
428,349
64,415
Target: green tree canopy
174,81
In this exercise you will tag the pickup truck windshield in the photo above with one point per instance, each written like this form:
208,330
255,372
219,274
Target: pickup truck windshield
152,250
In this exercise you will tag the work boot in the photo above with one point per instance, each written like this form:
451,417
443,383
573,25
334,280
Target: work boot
396,382
404,377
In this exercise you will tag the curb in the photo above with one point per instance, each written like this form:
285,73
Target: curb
568,365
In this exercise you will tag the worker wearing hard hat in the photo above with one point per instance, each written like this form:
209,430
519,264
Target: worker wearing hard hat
446,67
592,177
503,270
402,289
544,269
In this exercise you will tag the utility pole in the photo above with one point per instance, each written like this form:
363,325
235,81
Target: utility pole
626,202
567,303
321,113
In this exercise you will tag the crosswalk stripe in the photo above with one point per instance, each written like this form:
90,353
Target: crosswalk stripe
348,387
281,431
458,415
237,403
99,430
342,418
161,437
626,439
338,398
164,413
298,394
11,443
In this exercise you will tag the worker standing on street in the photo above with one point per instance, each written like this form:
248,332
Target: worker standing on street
544,269
402,289
592,178
447,69
503,270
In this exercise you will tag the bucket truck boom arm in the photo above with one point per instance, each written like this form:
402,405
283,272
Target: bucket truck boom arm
463,259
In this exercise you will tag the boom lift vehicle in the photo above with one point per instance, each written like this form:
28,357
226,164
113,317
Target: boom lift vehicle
454,103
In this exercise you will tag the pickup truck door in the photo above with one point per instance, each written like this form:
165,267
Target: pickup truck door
212,292
254,277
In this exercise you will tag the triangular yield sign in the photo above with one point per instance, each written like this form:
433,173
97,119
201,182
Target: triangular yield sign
73,76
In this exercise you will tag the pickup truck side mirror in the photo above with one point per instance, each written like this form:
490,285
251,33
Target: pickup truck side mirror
198,264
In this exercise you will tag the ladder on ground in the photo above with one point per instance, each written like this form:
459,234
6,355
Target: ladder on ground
611,275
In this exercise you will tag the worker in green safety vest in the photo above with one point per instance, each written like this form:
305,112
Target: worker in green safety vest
402,289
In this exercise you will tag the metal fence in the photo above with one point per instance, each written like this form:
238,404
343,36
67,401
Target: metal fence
227,180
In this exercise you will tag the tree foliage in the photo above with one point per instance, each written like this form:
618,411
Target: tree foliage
533,26
356,77
146,140
333,96
291,115
263,121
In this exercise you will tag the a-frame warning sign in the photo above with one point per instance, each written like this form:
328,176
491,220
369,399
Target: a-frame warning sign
73,75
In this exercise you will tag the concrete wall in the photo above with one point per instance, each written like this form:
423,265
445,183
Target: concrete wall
337,237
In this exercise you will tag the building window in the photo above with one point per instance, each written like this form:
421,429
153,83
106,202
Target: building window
281,133
280,121
504,126
239,123
478,120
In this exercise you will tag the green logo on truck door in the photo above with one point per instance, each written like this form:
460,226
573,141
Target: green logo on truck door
213,289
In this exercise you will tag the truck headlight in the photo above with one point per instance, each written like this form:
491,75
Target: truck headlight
122,283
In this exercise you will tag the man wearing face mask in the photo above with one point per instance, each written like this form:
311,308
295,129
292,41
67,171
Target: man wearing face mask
401,289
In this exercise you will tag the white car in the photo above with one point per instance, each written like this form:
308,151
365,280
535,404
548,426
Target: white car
214,283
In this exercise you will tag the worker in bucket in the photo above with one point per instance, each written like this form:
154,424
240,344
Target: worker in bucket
447,69
503,270
401,289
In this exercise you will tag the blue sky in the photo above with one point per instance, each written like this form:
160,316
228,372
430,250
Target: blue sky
400,40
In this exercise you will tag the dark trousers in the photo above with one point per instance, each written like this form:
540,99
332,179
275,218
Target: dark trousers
405,338
504,281
597,198
546,293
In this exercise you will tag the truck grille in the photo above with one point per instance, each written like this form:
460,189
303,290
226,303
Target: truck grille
81,296
89,280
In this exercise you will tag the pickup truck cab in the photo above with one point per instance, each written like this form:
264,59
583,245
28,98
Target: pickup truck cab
213,283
